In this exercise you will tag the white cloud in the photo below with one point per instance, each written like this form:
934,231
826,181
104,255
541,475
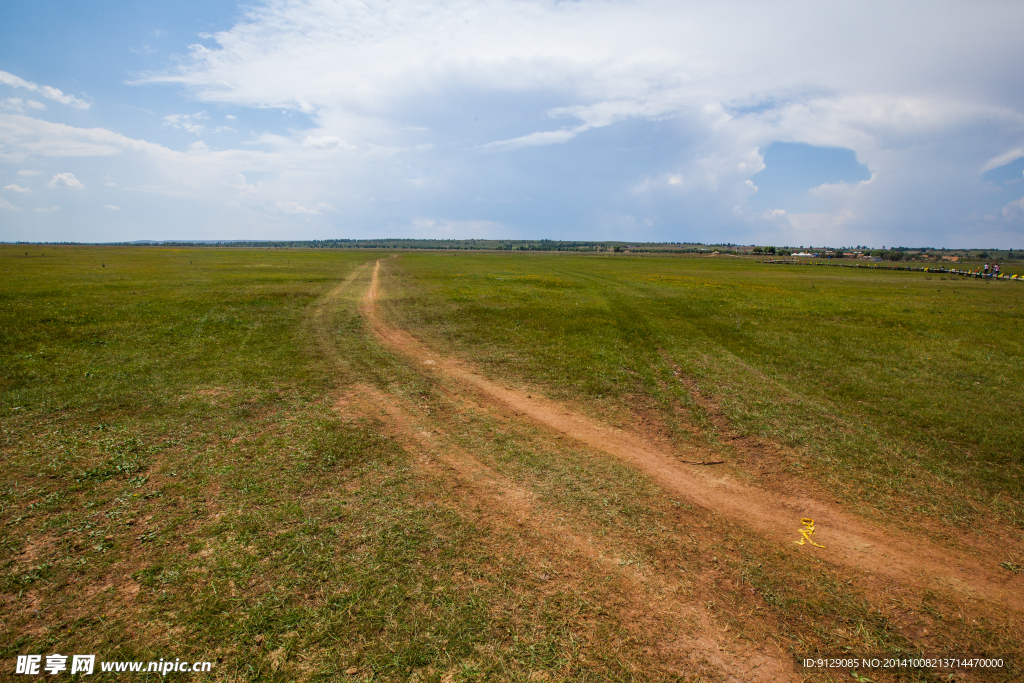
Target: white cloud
19,105
4,204
46,91
162,190
297,208
818,228
17,188
1014,209
618,61
773,214
22,137
1003,159
111,207
627,59
196,177
49,210
551,137
65,179
326,142
187,122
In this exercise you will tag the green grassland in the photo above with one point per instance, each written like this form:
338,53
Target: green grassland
179,480
895,388
177,483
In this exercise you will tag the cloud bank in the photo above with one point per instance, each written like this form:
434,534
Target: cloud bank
46,91
590,119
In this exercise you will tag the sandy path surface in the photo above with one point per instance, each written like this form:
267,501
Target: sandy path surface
848,540
689,635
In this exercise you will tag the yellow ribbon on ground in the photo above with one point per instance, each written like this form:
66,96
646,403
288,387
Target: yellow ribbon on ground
806,533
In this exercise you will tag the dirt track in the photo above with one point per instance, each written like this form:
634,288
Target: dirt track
689,638
689,631
848,540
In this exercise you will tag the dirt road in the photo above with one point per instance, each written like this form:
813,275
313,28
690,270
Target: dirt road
848,540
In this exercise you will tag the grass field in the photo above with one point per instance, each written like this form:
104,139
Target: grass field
211,454
891,387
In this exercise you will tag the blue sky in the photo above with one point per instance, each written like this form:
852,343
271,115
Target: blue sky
771,123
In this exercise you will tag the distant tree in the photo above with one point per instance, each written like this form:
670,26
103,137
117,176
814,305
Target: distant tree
757,250
769,250
983,254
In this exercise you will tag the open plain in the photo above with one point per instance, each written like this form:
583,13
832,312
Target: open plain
342,465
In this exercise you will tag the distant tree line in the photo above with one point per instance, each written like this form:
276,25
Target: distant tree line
546,245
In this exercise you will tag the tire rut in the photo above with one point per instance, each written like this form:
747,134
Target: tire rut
848,540
518,510
690,637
